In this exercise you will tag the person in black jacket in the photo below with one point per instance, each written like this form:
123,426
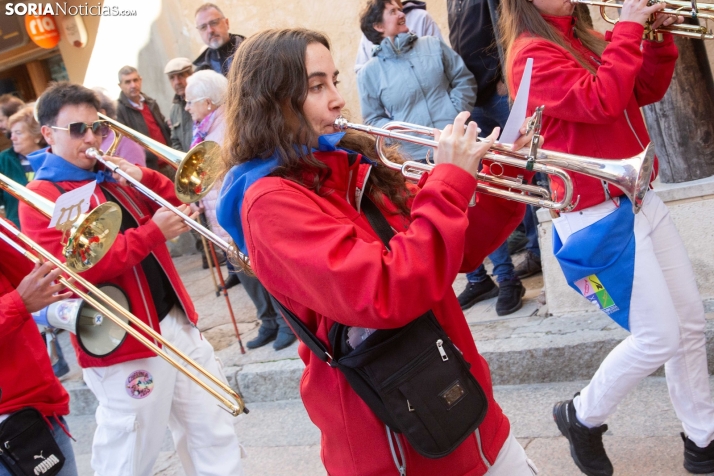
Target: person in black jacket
472,36
141,113
213,27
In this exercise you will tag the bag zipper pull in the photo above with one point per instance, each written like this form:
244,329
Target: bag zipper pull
440,346
409,406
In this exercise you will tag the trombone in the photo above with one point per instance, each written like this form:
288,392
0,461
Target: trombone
101,302
690,9
230,250
630,175
88,235
196,172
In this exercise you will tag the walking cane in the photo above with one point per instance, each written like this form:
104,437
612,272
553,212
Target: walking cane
225,293
213,259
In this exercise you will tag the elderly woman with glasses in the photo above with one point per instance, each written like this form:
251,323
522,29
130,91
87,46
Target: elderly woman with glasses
26,138
205,95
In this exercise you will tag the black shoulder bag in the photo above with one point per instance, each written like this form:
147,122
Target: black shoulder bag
27,447
413,378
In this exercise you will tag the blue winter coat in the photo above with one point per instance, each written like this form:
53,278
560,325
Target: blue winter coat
415,79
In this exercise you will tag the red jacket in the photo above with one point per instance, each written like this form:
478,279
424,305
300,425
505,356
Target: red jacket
122,263
596,116
26,377
318,255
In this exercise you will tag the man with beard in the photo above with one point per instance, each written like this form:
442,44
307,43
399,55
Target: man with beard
213,27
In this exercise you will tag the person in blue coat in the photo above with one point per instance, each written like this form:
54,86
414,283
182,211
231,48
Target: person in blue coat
411,79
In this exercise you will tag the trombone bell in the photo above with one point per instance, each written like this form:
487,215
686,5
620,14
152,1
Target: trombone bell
89,236
196,170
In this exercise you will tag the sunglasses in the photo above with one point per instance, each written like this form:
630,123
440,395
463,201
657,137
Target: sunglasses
77,130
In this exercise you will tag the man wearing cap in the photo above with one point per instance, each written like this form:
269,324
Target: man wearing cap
178,69
213,27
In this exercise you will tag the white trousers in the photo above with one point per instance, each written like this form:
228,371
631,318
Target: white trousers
138,399
666,324
512,461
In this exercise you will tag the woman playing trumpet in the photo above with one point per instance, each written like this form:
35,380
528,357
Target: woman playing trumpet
294,200
634,267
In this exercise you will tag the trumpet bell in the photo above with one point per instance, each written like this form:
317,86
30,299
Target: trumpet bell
642,183
197,172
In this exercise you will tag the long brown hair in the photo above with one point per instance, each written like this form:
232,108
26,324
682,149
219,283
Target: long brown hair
268,76
521,16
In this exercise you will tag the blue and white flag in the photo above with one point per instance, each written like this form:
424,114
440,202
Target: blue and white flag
599,262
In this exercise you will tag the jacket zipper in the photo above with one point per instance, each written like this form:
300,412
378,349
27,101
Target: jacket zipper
480,449
141,215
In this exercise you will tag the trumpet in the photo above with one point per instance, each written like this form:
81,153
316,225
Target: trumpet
231,400
691,10
196,172
88,235
630,175
230,250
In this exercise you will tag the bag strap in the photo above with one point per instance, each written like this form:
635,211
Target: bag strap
304,334
378,222
382,227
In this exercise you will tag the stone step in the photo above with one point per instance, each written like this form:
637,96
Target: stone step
520,350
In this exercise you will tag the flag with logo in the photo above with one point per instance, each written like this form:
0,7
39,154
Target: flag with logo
599,262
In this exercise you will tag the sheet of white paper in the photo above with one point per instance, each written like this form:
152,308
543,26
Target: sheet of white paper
511,131
70,205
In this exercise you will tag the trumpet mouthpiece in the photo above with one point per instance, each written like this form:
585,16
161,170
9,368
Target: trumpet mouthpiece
340,124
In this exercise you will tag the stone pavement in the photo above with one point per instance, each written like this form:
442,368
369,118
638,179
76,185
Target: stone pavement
528,351
642,440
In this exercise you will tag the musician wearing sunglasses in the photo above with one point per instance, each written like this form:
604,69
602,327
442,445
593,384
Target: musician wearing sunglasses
294,200
633,266
139,393
213,27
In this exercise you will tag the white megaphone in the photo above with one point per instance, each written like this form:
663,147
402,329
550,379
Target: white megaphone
97,335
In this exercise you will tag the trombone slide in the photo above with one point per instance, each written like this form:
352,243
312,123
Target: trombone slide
220,242
101,302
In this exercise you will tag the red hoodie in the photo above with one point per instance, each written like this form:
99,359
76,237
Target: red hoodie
26,377
594,115
122,263
318,255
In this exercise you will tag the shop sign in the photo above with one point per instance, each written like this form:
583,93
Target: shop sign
42,30
12,33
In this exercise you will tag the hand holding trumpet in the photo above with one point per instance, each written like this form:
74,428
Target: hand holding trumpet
640,11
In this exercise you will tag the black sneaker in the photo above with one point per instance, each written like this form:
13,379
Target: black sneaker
265,336
510,297
585,443
529,266
698,460
476,292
